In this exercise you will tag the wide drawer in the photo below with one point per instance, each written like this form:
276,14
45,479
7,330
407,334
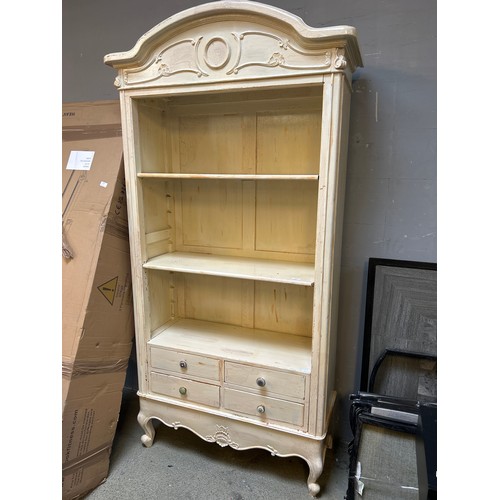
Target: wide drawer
265,380
184,364
263,407
186,390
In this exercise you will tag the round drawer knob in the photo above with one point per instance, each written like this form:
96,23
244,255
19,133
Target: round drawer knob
261,409
183,390
261,382
183,364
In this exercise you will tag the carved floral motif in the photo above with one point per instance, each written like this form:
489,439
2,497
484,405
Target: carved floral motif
276,59
164,70
340,62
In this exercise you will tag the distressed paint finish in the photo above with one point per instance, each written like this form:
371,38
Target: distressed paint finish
235,118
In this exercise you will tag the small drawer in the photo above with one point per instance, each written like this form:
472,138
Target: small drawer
185,390
263,407
265,380
185,364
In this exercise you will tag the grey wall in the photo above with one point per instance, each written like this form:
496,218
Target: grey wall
391,185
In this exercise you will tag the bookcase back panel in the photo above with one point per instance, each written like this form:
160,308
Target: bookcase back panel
288,142
212,298
285,217
281,142
284,308
276,307
220,144
268,219
211,213
252,133
263,219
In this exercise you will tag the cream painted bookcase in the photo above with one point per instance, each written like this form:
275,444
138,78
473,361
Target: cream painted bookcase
235,118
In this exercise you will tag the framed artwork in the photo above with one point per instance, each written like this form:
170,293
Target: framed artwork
400,333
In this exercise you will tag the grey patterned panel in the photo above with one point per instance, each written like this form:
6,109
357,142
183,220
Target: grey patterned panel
387,465
407,378
405,317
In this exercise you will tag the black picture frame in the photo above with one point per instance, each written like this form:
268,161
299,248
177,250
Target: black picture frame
373,265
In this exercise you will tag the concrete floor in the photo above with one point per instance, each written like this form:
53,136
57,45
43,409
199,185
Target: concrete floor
181,466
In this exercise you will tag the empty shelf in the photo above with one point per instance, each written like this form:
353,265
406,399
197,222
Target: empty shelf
296,273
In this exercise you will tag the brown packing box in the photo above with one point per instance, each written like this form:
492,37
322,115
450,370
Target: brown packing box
97,317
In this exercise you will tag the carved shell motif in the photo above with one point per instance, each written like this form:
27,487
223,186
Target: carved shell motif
222,438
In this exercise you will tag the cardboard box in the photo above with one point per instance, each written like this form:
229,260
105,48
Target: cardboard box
97,321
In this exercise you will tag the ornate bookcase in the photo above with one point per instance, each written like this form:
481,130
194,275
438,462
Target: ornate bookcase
235,118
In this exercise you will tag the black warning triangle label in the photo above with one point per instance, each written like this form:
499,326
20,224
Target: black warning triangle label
108,289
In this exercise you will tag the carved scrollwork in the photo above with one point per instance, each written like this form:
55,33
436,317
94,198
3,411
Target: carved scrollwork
178,57
222,438
227,54
297,59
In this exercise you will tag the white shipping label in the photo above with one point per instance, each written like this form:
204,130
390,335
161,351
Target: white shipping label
80,160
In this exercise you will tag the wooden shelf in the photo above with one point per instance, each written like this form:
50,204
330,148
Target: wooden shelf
296,273
236,343
249,177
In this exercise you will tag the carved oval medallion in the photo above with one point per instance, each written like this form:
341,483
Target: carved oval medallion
217,53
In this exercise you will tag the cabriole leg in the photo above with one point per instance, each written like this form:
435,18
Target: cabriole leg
315,470
149,430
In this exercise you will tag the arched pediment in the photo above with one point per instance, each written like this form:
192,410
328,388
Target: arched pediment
230,40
